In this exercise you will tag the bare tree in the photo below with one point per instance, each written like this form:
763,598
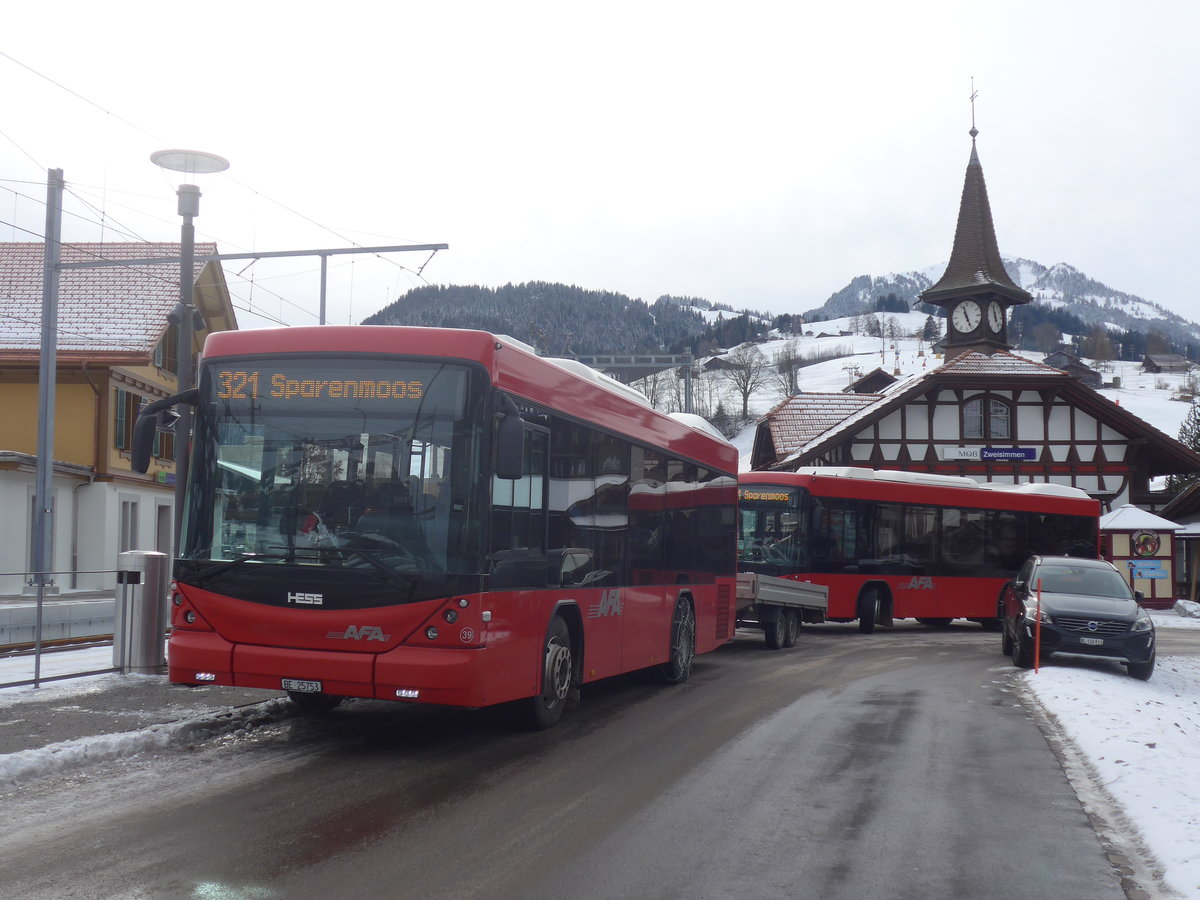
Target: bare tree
747,371
785,373
1047,336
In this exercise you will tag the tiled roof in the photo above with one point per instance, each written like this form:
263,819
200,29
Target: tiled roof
116,309
804,417
999,363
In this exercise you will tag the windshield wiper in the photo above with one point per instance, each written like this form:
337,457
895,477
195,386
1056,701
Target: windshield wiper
394,577
201,577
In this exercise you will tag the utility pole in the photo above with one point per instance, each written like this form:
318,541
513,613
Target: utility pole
43,516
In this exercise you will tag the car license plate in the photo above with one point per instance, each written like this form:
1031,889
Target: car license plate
305,687
1092,642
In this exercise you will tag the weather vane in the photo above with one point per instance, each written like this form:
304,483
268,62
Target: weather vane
974,93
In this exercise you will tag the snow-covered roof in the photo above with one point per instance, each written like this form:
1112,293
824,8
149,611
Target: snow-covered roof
113,309
1132,518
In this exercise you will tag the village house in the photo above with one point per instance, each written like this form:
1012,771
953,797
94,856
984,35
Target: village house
116,350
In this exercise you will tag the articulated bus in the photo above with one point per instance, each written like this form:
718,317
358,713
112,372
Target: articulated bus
891,544
439,516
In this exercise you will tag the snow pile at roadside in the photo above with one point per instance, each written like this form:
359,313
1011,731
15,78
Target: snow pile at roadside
67,755
1141,739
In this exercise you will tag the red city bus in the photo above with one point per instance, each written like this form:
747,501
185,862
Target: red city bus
893,545
439,516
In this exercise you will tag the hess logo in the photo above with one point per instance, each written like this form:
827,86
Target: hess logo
303,599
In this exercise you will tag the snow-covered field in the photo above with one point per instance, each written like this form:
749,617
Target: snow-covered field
1147,396
1138,738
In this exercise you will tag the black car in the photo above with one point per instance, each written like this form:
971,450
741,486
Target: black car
1087,609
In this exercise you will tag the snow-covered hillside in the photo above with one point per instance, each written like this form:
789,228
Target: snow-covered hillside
1153,398
1061,286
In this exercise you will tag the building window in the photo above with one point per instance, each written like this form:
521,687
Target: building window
125,412
166,354
127,538
995,424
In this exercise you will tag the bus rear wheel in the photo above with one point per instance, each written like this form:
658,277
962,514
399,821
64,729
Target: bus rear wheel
868,610
678,666
546,707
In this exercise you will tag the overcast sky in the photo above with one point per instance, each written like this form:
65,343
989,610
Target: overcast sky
755,154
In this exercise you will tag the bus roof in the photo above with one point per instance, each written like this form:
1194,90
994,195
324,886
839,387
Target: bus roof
564,385
926,487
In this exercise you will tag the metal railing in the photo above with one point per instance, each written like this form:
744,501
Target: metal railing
136,623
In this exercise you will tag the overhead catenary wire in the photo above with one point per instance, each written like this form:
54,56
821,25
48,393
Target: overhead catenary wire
105,218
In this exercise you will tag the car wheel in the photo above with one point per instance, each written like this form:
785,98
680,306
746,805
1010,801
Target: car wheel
1022,653
1006,641
1141,671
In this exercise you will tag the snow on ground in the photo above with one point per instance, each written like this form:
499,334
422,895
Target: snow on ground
1140,741
1139,737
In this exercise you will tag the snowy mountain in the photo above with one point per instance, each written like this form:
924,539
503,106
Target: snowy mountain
1060,286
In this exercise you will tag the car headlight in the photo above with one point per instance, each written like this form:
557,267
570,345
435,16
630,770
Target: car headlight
1143,623
1031,616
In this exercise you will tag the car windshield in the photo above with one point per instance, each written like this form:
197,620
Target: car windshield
1088,580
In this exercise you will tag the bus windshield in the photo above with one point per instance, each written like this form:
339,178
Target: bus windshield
365,463
772,529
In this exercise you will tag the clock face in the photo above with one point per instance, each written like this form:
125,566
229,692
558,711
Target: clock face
967,316
995,316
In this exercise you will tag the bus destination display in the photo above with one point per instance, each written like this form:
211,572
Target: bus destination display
240,385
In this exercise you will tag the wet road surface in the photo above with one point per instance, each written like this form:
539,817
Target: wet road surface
888,766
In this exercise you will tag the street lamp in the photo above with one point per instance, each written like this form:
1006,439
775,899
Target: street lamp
185,315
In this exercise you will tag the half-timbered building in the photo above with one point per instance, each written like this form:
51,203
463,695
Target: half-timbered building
986,412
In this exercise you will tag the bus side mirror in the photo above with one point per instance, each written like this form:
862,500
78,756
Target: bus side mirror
510,439
149,421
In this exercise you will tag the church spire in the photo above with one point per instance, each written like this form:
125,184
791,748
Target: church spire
975,265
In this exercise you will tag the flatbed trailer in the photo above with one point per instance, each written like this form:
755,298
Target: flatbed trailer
779,605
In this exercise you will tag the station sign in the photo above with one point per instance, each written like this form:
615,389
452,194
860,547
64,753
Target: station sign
991,454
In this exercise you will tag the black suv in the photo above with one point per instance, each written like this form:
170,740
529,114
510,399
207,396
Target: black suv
1087,609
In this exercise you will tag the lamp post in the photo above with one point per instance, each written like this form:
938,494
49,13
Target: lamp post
185,314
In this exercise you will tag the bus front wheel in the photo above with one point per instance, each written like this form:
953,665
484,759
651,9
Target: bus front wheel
546,707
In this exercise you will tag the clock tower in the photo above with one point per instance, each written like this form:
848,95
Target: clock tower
975,290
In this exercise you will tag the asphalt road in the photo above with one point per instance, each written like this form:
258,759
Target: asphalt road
898,765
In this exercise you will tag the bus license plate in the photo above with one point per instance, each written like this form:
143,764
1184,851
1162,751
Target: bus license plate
303,687
1092,642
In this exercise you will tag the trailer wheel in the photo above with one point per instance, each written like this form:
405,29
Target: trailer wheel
314,703
868,610
776,632
678,666
546,707
792,618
